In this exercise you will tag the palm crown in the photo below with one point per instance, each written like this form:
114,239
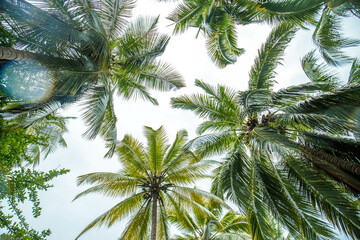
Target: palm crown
95,54
155,179
284,145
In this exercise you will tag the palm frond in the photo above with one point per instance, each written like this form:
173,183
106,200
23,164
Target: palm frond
98,112
341,103
186,14
114,14
157,144
221,43
328,38
269,56
294,11
116,213
354,77
137,227
319,72
324,195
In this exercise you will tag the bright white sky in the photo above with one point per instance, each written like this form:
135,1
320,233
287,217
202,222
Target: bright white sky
188,55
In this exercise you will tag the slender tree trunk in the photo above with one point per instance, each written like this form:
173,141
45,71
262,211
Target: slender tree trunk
344,164
19,55
154,216
54,63
332,168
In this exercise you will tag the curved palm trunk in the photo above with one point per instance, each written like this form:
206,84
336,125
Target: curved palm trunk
333,167
7,53
154,216
51,62
344,164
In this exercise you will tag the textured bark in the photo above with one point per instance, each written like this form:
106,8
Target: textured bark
19,55
333,170
54,63
344,164
154,216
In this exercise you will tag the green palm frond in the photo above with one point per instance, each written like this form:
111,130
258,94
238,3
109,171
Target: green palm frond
293,94
98,112
319,73
221,43
157,143
254,101
190,174
131,153
341,146
175,149
269,56
116,213
160,76
137,227
294,11
334,204
214,143
328,38
354,77
114,14
285,203
315,122
186,14
233,177
340,104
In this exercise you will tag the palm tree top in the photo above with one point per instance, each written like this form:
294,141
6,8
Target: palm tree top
155,178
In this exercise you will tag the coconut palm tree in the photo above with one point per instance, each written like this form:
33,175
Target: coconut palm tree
155,179
91,52
287,150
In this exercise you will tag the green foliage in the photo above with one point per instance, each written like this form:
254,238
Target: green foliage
292,154
18,186
18,183
154,181
90,50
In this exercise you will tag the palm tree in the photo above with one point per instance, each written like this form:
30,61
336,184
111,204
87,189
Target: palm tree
92,52
197,225
154,180
287,149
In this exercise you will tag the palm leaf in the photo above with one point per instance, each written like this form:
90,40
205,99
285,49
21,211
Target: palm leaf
269,56
329,40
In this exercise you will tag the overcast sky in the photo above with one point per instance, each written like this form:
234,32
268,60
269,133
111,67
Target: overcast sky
188,55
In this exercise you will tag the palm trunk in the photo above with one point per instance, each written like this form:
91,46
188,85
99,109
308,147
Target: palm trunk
344,164
19,55
51,62
154,216
333,167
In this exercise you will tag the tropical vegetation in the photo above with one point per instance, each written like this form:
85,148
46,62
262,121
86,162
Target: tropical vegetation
155,179
283,156
217,20
90,51
198,225
19,183
288,157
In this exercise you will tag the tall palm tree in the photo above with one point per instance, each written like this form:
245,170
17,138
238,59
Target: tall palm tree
91,50
287,149
154,180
